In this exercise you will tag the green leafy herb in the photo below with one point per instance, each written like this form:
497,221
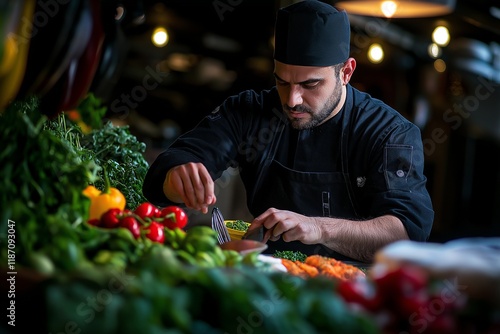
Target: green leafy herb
117,150
108,147
42,176
92,111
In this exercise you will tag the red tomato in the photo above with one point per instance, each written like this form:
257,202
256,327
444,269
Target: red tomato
146,210
442,324
406,305
132,225
360,292
155,232
111,218
404,280
94,222
173,217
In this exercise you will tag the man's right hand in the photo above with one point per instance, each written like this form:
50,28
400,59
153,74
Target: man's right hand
190,184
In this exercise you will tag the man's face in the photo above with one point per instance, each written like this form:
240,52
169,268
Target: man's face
309,95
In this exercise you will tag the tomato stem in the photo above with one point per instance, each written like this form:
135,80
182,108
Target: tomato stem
171,216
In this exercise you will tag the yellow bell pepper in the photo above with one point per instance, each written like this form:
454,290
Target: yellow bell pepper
102,201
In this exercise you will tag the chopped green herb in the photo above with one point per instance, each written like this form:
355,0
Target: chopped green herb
291,255
238,225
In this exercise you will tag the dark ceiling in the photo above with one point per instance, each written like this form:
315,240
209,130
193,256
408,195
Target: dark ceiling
250,23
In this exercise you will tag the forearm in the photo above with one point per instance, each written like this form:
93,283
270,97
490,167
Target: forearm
360,239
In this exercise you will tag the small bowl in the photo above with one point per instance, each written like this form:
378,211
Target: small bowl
235,234
244,246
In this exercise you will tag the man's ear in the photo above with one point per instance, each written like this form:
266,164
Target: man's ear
348,70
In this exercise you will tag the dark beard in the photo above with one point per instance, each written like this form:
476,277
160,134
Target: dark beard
316,119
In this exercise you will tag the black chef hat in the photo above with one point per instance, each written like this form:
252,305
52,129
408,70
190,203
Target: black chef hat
311,33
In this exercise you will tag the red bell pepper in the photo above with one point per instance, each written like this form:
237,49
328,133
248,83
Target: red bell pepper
78,77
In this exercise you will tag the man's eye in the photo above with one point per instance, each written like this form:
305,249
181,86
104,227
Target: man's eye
281,83
310,85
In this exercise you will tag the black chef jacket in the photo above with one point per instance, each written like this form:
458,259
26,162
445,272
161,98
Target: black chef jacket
368,150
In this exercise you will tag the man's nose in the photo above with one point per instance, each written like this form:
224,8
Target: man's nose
294,96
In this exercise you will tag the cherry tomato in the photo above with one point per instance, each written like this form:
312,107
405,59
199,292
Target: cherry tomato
404,280
132,225
406,305
442,324
94,222
146,210
111,218
155,232
360,292
173,217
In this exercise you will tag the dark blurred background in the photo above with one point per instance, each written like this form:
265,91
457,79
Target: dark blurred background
217,48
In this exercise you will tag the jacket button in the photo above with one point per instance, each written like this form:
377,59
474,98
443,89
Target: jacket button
400,173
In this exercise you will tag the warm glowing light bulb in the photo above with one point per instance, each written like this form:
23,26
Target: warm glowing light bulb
441,36
388,8
434,50
375,53
160,37
439,65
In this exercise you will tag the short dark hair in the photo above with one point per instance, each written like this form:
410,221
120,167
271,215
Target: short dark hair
338,67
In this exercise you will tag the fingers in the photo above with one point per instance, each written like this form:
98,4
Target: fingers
192,184
268,236
277,222
194,188
208,196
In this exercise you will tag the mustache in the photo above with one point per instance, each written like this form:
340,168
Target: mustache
297,108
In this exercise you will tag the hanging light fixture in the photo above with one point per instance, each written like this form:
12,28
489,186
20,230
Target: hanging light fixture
397,8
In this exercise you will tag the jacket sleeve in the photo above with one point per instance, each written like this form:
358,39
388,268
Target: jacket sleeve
213,142
396,183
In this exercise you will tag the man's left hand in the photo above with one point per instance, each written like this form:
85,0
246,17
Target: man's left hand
288,225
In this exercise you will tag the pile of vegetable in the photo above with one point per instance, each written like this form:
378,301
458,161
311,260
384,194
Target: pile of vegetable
42,177
119,152
64,218
405,299
107,147
130,235
156,296
94,260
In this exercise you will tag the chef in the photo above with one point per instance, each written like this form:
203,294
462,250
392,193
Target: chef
328,169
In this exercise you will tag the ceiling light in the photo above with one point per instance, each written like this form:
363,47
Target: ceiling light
159,37
397,8
388,8
375,53
441,36
440,65
434,50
